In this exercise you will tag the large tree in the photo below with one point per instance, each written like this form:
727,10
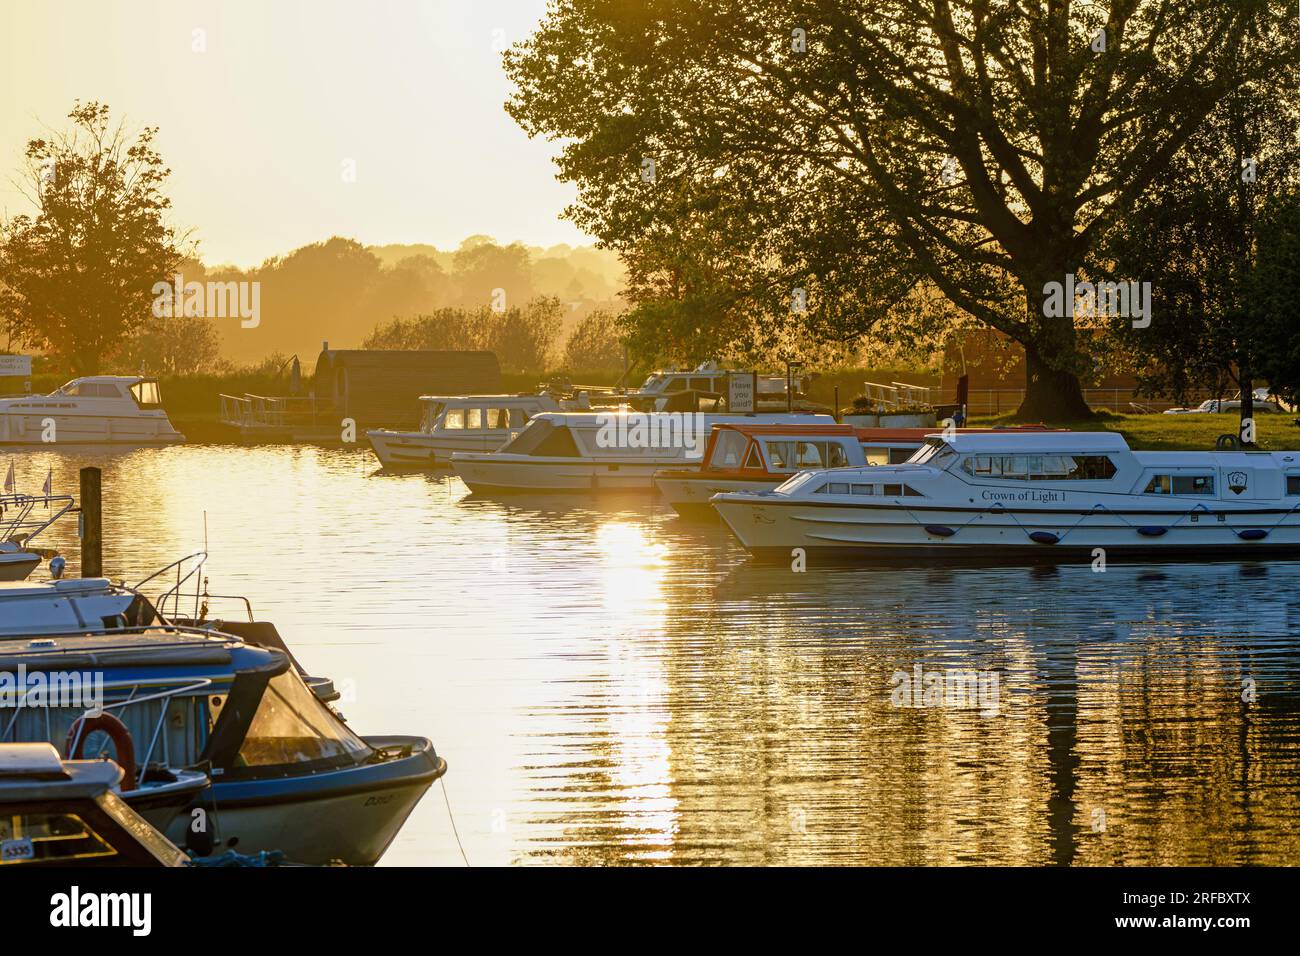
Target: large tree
1216,237
77,277
886,150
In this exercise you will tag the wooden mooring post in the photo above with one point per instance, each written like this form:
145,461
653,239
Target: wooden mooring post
92,524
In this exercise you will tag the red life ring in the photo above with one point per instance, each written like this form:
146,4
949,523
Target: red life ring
83,727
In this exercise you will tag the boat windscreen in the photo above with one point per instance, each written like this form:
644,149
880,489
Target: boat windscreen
534,433
934,452
292,726
147,394
728,449
791,485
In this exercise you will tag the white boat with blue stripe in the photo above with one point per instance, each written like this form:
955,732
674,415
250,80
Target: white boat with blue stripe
1045,496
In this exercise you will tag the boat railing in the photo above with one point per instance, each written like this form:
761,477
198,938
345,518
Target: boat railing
896,394
179,687
270,411
186,568
16,521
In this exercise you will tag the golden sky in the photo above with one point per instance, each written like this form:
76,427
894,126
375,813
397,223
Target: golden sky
260,127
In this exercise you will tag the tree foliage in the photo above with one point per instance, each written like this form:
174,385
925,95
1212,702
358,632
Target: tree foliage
877,153
76,278
523,338
595,344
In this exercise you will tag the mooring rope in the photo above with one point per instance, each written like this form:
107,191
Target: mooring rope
452,817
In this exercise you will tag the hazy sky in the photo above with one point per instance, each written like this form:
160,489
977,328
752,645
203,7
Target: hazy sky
257,130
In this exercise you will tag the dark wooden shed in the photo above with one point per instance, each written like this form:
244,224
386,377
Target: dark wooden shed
380,388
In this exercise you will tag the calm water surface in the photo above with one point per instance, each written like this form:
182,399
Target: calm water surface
610,684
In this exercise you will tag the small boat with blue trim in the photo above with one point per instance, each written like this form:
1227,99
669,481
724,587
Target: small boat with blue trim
1038,496
225,744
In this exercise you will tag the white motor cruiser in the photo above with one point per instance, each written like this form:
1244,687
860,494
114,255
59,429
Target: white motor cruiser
602,451
97,409
1055,496
452,423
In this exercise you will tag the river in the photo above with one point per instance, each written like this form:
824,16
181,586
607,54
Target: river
610,684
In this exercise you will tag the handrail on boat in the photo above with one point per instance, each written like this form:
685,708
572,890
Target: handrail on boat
186,685
23,505
199,558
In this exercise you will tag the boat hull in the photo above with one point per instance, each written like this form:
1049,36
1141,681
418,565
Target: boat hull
690,494
72,429
503,474
337,816
423,450
886,534
16,565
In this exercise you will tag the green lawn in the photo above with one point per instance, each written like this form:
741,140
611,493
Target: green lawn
1274,431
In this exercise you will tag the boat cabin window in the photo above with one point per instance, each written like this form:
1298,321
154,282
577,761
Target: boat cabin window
1180,485
35,835
728,449
455,418
852,488
146,394
1040,467
797,455
474,418
1293,484
292,726
498,418
754,459
888,456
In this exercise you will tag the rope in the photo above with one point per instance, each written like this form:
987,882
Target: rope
450,816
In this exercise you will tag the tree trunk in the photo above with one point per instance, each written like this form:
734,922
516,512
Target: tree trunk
1053,392
1051,395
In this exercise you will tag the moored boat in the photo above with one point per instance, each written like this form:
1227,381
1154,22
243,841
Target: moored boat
1016,496
743,457
452,423
174,697
602,451
69,813
286,772
93,410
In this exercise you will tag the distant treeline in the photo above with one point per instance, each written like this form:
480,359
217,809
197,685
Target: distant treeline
525,339
342,292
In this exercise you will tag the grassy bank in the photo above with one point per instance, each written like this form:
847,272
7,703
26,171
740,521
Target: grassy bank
1274,432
